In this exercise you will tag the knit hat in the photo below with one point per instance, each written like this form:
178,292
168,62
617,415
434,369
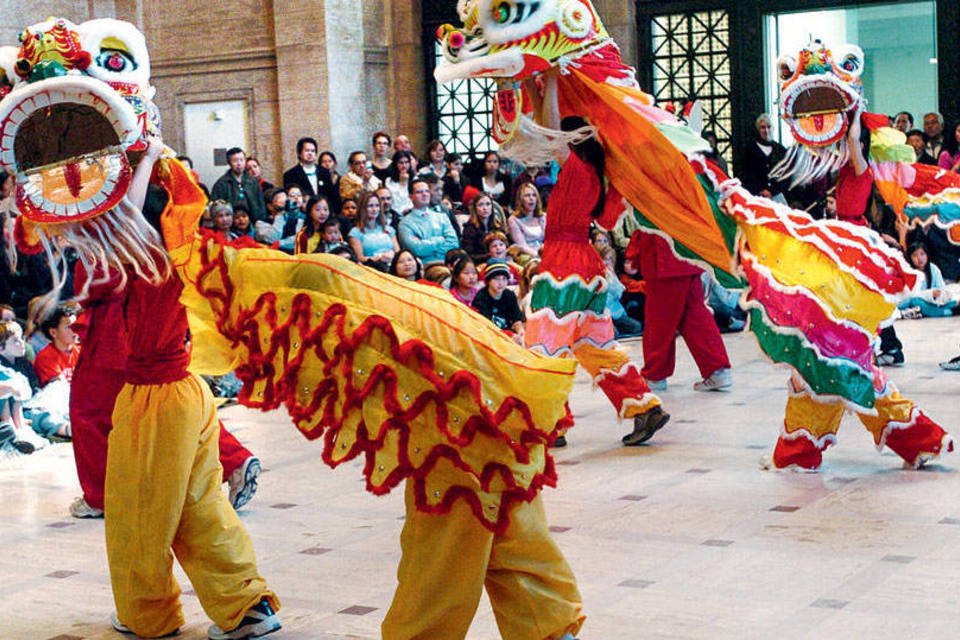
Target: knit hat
496,268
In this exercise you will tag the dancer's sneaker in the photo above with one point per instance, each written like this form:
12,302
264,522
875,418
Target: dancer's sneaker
560,441
657,385
243,482
122,628
951,365
719,380
257,622
80,508
645,425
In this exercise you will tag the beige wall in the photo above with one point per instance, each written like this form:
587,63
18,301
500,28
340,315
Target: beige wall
337,70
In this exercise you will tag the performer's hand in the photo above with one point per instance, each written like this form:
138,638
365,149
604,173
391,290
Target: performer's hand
154,146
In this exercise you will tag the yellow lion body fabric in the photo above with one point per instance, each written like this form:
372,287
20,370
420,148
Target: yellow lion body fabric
399,372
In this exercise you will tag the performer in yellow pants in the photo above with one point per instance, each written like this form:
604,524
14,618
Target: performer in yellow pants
163,497
448,560
810,426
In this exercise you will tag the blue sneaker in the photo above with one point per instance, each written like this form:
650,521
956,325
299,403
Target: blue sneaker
259,621
243,482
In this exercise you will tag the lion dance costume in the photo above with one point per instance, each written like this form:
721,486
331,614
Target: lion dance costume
818,290
425,390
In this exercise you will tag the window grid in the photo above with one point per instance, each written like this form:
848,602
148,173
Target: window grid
464,110
691,61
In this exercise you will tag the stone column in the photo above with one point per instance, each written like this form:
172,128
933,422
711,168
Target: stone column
620,19
406,111
303,73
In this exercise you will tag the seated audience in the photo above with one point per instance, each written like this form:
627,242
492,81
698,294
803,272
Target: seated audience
382,148
494,182
401,170
256,172
236,186
359,178
405,265
485,216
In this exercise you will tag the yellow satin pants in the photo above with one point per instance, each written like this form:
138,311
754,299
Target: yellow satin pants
448,560
163,499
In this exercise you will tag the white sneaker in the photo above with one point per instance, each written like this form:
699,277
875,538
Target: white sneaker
912,313
719,380
79,508
243,482
657,385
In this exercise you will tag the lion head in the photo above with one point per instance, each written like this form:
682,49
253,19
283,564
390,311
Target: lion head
78,101
817,91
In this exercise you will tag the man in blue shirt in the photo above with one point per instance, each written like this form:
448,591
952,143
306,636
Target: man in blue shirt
425,232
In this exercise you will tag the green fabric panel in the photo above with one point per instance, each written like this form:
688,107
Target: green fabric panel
845,380
572,296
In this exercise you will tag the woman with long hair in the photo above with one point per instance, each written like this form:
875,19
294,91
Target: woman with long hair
401,170
571,282
485,216
373,241
494,182
526,224
436,153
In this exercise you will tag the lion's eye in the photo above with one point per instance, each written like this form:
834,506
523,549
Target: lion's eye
116,61
504,12
850,64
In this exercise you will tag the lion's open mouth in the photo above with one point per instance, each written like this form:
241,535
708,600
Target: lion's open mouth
818,101
65,139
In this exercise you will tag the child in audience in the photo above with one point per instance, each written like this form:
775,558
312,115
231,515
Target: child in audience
57,359
496,302
310,237
463,283
495,243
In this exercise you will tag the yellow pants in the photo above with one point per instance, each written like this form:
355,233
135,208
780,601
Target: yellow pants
823,418
448,559
163,498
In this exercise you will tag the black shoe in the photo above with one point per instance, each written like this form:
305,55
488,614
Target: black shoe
645,425
23,446
561,441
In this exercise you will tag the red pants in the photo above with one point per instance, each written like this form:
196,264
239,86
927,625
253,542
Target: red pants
676,305
93,392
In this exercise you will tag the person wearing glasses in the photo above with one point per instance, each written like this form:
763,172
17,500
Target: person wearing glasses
236,186
360,178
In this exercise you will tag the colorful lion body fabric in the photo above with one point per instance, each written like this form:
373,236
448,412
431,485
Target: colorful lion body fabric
398,373
818,291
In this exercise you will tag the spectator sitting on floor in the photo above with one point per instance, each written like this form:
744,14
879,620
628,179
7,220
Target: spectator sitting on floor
725,304
57,359
18,404
498,303
623,325
931,300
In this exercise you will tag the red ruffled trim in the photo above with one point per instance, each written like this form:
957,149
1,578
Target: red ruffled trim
277,387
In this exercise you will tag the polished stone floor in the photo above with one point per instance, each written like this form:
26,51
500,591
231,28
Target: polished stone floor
686,538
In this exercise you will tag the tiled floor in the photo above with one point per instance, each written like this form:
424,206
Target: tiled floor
686,538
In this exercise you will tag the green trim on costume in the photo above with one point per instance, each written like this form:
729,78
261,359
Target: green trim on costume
566,298
825,378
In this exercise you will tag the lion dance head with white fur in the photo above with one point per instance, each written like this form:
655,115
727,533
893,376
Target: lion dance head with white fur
75,114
